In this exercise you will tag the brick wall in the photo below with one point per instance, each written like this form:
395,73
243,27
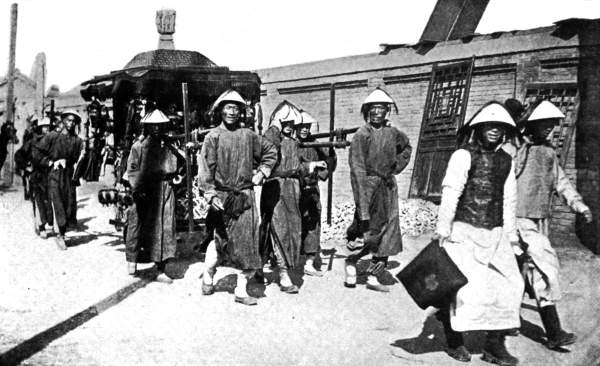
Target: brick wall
494,78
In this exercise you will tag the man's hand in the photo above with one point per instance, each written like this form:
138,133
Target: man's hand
258,178
216,203
315,165
192,145
439,238
587,214
60,163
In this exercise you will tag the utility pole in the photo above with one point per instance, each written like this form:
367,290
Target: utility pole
10,88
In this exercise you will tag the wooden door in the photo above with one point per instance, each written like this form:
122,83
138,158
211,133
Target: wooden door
443,115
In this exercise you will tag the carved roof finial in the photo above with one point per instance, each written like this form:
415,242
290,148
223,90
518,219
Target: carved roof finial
165,25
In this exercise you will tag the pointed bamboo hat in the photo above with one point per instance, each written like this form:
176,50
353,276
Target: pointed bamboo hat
491,112
155,117
378,96
308,119
73,113
285,112
545,110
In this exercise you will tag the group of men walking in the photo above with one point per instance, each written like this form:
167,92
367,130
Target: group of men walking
52,154
492,221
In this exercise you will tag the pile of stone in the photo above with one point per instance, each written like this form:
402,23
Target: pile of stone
416,217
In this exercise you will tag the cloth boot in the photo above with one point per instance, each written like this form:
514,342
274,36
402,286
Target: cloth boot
210,268
60,242
454,340
309,267
162,276
494,350
240,292
285,282
131,268
350,280
42,231
556,336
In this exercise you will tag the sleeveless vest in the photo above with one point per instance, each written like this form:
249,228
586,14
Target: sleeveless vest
482,200
536,182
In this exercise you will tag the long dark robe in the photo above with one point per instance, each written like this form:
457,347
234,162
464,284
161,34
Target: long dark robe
225,168
38,183
310,197
376,155
280,199
151,219
61,190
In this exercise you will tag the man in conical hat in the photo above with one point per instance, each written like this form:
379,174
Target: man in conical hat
321,166
38,180
539,175
151,166
226,176
280,197
61,151
476,226
378,153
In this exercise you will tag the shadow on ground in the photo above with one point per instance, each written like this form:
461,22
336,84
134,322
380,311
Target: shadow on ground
432,339
177,268
81,224
229,282
37,343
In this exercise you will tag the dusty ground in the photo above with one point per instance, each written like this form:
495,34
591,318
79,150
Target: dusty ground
79,307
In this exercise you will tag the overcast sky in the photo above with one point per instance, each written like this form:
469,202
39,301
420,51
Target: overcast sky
86,38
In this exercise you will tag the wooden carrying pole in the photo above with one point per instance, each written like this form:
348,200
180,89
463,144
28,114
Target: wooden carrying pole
331,152
188,157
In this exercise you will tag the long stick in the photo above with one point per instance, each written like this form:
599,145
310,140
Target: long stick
188,161
331,151
10,87
340,131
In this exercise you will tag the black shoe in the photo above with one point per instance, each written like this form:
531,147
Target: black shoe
556,336
513,332
495,351
460,353
562,339
454,339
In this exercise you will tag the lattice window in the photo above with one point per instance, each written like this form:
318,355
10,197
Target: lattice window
443,115
445,106
565,97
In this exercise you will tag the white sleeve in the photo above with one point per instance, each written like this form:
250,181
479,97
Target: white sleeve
565,188
510,205
452,188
